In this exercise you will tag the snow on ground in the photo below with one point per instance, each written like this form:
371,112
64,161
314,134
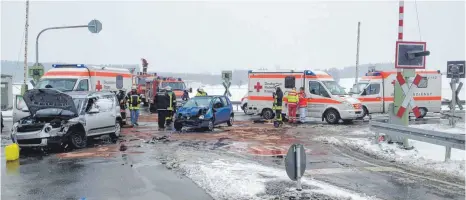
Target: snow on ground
237,92
228,178
424,156
443,127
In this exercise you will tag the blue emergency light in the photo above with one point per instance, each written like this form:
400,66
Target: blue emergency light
309,73
373,74
249,71
69,66
179,79
164,79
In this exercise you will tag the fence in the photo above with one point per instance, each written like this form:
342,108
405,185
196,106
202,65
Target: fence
447,140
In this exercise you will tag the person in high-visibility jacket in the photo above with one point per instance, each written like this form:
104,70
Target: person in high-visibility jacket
277,103
172,105
134,102
302,105
201,92
292,101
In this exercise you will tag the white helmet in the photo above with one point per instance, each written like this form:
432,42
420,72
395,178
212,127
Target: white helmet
168,88
134,87
200,89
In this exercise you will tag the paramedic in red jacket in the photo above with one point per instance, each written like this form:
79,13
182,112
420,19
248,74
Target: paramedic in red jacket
302,105
292,99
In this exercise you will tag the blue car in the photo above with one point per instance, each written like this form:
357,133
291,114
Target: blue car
204,112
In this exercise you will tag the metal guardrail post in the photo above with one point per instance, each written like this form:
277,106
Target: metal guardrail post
447,153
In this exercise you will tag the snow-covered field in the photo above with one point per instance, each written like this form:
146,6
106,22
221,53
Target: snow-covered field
424,156
442,126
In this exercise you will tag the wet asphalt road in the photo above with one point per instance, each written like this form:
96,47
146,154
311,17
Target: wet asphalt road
102,171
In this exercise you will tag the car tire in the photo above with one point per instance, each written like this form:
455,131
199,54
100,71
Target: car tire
332,116
117,132
210,125
78,140
178,126
365,112
423,112
231,120
267,113
245,106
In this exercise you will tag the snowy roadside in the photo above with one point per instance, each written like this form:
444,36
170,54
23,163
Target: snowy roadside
426,157
226,177
443,127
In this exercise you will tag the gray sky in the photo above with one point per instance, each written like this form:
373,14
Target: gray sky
207,37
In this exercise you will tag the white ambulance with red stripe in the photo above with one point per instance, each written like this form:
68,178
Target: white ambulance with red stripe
326,99
376,91
79,77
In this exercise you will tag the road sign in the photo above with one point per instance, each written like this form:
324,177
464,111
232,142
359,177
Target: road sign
411,55
408,93
455,69
227,85
36,71
94,26
227,77
295,161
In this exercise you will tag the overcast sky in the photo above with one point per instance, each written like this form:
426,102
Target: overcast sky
209,36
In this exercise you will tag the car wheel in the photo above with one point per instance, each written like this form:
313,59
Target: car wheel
78,140
332,117
117,132
178,126
210,125
245,106
267,113
365,112
423,112
231,120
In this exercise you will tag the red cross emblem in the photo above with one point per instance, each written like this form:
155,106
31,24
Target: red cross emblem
258,87
98,87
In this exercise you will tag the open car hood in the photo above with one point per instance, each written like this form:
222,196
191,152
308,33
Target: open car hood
190,111
41,99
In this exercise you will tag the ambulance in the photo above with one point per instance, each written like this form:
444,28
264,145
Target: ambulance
79,77
326,99
376,91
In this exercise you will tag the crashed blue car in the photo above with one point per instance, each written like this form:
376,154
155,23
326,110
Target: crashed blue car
204,112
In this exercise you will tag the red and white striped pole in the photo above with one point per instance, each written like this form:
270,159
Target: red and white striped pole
400,21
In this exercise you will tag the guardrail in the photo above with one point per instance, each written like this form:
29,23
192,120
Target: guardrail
447,140
447,102
237,104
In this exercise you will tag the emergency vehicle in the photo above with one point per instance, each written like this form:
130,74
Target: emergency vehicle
326,99
177,85
141,81
376,91
79,77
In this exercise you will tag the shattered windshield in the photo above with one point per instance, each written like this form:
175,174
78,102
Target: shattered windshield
198,102
58,84
174,85
334,88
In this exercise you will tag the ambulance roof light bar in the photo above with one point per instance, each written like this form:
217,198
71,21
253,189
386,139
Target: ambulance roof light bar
309,72
69,66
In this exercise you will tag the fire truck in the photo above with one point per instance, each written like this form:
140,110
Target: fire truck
141,80
156,83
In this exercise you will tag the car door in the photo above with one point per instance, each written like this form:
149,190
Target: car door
372,99
18,112
317,93
227,109
218,108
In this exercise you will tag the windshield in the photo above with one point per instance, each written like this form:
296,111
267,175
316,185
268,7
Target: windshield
174,85
78,102
334,88
58,84
198,102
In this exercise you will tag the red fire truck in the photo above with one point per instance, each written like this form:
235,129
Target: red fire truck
177,84
141,81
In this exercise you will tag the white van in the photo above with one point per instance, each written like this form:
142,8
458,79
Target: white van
326,99
376,91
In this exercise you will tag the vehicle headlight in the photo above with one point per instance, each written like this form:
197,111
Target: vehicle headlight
47,129
348,104
201,117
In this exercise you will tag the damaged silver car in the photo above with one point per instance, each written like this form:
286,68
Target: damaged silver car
66,118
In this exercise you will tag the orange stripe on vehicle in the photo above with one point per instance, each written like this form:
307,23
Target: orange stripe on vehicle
417,98
298,76
369,99
428,98
75,73
309,100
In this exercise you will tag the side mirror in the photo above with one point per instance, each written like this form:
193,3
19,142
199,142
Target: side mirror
25,109
190,90
93,110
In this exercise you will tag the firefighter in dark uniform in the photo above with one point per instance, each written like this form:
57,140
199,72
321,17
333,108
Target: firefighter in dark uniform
134,102
122,98
165,102
277,105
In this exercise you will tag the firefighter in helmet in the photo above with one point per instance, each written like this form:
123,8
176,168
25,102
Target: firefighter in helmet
277,105
134,102
201,92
